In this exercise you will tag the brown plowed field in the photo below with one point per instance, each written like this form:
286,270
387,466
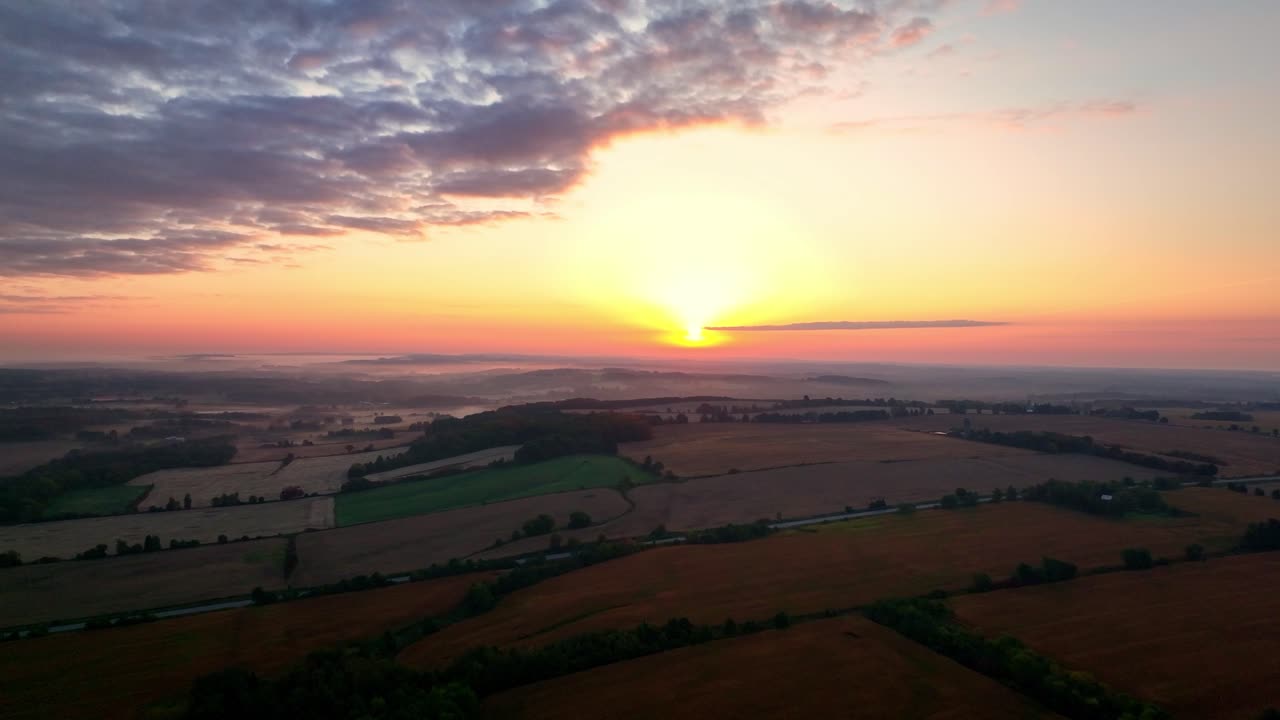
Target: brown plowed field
417,542
844,667
699,449
1245,453
111,673
841,565
65,538
1200,639
82,588
811,490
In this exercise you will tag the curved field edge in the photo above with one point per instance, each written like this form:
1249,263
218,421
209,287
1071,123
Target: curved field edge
482,487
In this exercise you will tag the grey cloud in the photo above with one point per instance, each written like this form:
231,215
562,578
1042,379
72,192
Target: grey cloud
128,126
860,325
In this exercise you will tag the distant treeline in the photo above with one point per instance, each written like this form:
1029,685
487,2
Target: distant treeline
1223,415
24,498
593,404
542,434
843,416
808,402
26,424
1051,442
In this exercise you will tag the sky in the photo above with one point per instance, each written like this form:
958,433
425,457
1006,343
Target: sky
929,181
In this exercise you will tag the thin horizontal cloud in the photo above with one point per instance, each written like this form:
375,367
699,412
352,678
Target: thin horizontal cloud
34,304
1012,118
128,132
859,325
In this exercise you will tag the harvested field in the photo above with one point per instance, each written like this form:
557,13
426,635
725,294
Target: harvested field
843,667
206,483
248,451
1226,508
838,566
420,497
459,462
417,542
19,457
83,588
826,489
112,673
65,538
699,449
1197,638
1245,453
321,475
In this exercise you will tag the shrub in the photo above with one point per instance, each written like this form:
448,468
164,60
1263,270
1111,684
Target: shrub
982,582
1137,559
579,519
906,508
1194,552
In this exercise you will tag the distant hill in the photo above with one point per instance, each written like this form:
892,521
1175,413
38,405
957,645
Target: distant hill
846,380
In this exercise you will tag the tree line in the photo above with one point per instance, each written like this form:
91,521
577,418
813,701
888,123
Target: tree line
1051,442
541,433
1074,695
26,497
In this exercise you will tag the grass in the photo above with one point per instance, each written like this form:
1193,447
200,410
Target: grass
420,497
114,500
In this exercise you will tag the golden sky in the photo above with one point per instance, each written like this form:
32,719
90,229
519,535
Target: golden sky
1056,176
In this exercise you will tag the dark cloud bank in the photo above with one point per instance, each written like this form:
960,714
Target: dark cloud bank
151,137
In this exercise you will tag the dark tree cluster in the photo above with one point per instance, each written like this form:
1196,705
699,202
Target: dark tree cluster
961,498
1223,416
730,533
1262,536
1072,694
1051,442
25,498
541,433
1100,498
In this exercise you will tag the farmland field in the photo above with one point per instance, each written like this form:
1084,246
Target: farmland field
67,590
825,489
112,673
837,566
416,542
1197,638
842,667
469,460
1244,453
65,538
576,472
699,449
111,500
1266,420
321,475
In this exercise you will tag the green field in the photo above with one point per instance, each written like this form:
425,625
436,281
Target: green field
419,497
114,500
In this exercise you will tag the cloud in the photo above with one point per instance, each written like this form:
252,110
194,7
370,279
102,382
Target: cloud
911,33
14,304
997,7
129,130
860,325
1013,118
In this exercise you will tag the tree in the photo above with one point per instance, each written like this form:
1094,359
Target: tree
10,558
292,492
906,508
1025,574
1058,570
1137,559
950,502
1011,493
1275,494
222,539
782,620
151,543
982,582
262,597
1195,552
480,599
997,495
1259,492
540,525
186,501
579,519
172,505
